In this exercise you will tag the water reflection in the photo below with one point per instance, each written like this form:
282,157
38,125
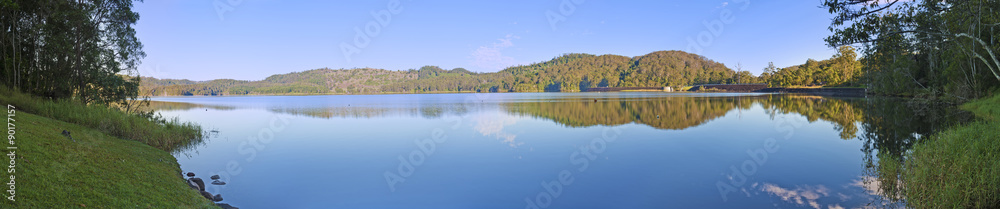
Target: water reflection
663,113
175,106
884,128
844,113
800,195
891,127
493,126
678,113
430,112
671,113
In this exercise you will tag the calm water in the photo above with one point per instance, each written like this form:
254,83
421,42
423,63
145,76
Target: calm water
547,150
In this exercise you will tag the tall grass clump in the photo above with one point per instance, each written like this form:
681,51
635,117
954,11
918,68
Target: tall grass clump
150,129
959,167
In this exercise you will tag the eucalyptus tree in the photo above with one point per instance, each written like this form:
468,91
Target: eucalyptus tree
939,46
83,49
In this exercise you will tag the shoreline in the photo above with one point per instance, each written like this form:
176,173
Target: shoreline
832,91
85,167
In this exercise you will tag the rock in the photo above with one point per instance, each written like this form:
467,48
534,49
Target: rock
193,185
225,206
67,134
217,198
190,174
201,184
206,195
214,177
217,182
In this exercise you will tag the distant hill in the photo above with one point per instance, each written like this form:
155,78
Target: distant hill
567,73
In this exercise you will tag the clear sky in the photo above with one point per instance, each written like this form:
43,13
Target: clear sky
252,39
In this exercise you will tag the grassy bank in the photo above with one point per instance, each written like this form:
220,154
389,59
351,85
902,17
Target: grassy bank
163,134
959,167
93,170
110,159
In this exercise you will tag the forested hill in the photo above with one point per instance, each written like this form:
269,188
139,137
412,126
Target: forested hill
569,72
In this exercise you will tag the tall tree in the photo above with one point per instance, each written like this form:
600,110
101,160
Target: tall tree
64,48
935,45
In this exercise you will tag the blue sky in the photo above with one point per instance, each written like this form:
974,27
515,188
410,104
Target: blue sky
253,39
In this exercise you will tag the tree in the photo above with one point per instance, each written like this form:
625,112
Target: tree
845,67
933,45
63,49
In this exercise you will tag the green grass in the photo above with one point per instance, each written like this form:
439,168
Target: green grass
987,108
95,171
166,134
959,167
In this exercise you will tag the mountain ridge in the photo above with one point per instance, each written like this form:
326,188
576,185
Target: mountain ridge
566,73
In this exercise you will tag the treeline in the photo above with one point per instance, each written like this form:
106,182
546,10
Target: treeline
570,72
926,47
566,73
71,49
189,88
843,69
576,72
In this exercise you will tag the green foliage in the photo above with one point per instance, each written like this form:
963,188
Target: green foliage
62,49
888,177
923,47
843,69
953,168
76,56
930,47
960,167
986,108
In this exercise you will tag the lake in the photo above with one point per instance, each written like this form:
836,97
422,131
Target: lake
550,150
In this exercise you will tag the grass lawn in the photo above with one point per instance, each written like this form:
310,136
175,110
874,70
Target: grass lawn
94,171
